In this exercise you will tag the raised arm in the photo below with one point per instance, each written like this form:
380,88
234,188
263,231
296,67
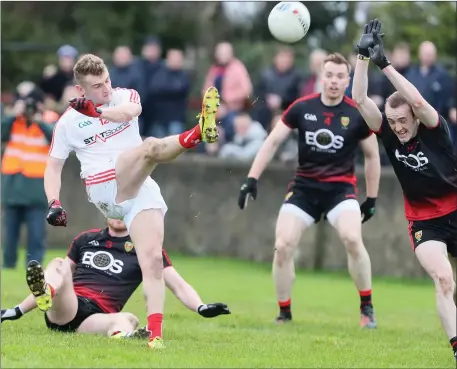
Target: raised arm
366,106
421,108
370,150
129,108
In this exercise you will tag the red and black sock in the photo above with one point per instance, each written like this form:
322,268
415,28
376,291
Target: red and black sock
155,325
285,306
453,342
190,138
365,297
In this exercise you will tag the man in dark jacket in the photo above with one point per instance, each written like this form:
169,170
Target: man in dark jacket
169,90
278,87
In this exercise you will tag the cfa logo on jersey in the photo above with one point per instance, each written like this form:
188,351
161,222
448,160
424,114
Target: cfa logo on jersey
103,136
311,117
102,260
413,161
84,124
324,140
94,243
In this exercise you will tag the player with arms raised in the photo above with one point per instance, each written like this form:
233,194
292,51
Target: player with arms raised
102,128
330,129
418,143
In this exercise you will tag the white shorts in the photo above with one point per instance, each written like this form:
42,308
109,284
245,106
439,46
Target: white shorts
102,190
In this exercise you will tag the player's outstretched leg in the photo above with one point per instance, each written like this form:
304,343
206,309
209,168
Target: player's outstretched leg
53,289
433,257
346,218
134,166
289,229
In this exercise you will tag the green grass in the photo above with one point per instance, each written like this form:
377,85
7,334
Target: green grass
325,332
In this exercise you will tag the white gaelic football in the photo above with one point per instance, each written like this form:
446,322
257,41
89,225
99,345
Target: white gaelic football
289,21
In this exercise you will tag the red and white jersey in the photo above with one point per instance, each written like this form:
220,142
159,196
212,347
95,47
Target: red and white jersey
96,142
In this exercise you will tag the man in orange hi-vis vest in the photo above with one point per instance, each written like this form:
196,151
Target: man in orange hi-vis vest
26,136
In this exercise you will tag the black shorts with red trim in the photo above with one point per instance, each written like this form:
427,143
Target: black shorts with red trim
318,200
443,229
86,308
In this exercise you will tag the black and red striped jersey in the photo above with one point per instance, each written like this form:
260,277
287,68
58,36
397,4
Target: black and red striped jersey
426,168
107,268
328,137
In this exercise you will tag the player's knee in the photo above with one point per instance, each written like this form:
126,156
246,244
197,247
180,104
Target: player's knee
60,265
152,265
353,242
284,249
444,282
152,148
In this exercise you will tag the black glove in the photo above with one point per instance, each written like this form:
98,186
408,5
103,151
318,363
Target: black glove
57,216
213,310
248,189
377,50
368,208
11,314
366,40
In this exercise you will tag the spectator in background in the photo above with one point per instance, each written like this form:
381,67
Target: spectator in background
249,137
56,78
69,93
431,79
311,83
401,61
27,139
169,91
150,63
278,87
125,72
229,75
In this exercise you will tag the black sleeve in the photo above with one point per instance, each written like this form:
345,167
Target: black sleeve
440,132
291,115
166,260
75,248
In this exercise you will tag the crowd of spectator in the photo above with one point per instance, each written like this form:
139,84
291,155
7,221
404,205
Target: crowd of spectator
249,110
164,85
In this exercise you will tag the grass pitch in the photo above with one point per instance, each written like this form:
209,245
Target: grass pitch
325,331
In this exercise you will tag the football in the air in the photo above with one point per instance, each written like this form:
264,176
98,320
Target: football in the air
289,21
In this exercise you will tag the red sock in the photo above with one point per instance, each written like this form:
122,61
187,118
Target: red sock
190,138
155,325
284,306
53,292
365,297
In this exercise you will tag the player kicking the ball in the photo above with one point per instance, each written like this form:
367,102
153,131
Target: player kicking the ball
418,143
102,128
89,288
330,129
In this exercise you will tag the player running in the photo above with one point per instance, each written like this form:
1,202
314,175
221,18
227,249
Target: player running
89,288
102,128
330,129
418,143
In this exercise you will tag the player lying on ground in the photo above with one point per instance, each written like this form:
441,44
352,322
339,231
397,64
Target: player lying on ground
330,129
86,291
102,129
418,143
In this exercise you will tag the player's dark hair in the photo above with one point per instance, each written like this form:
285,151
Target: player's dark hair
337,58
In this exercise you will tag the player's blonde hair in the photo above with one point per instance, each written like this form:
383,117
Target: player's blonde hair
337,58
88,64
